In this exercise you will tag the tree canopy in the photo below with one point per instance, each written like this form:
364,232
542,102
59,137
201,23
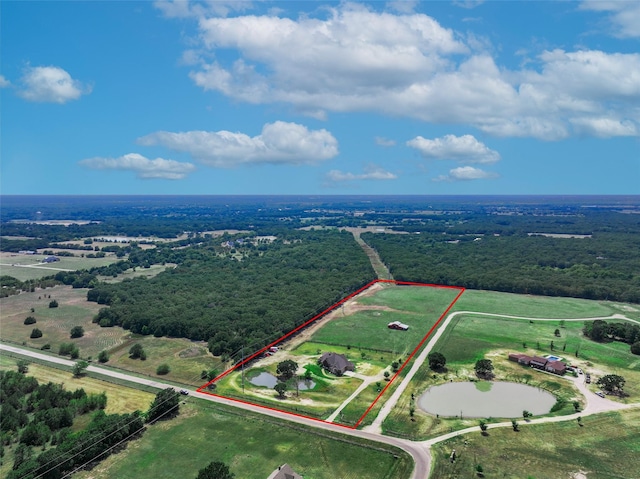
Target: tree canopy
437,361
215,470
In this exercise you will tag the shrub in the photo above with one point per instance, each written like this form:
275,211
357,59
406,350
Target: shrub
30,320
103,357
35,333
635,348
77,332
53,304
163,369
137,352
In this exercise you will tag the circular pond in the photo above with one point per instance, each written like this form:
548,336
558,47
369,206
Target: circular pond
269,380
485,399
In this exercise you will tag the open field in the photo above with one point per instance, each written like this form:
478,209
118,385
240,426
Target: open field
120,399
251,445
31,267
607,446
541,306
132,273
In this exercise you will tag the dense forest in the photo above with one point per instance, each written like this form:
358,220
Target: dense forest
235,303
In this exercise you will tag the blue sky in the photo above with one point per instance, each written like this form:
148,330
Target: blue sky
217,97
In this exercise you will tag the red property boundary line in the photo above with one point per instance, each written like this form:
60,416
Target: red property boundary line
202,389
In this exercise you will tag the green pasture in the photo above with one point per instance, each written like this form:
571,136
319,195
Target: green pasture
541,306
133,273
252,445
606,446
186,359
31,267
424,300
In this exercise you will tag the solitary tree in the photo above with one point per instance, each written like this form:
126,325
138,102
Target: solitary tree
103,356
23,366
557,332
526,414
79,368
483,427
53,304
611,383
635,348
514,425
35,333
215,470
437,361
280,389
484,367
165,406
77,332
386,375
163,369
30,320
137,352
286,369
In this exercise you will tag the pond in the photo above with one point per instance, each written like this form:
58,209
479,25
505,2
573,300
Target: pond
485,399
268,380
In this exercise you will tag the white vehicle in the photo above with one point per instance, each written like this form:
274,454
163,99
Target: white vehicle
600,393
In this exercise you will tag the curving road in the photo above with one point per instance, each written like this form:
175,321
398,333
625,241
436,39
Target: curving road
419,451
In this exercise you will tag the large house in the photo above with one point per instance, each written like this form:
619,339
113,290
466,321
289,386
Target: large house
284,472
544,364
336,363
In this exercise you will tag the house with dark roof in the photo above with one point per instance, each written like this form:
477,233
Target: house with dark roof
556,367
538,362
336,363
520,358
284,472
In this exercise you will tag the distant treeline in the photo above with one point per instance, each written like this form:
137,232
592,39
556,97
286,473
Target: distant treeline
605,266
236,303
625,332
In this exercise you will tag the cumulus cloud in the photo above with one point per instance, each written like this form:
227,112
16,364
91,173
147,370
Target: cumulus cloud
187,8
466,173
279,143
51,84
624,16
408,65
381,141
463,148
4,83
143,167
371,172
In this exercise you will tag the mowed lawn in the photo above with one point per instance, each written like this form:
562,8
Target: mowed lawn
607,446
420,307
251,445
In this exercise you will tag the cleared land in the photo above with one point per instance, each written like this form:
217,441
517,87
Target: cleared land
606,446
251,445
24,267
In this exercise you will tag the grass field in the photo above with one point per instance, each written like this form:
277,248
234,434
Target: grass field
29,267
607,446
251,445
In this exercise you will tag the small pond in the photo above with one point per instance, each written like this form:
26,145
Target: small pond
485,399
268,380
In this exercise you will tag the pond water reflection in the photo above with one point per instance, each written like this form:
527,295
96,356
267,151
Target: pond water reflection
499,399
268,380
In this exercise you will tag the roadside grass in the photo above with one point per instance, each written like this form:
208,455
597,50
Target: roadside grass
120,399
541,306
252,445
607,446
186,359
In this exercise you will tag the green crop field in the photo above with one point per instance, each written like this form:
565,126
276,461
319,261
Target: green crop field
606,446
252,446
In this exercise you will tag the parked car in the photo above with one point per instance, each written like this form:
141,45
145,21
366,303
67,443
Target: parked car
184,392
600,393
588,376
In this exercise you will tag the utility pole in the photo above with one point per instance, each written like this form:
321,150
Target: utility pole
242,369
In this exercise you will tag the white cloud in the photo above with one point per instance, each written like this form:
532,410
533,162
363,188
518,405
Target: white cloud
408,65
51,84
143,167
372,172
466,173
279,143
624,16
605,127
381,141
468,4
187,8
463,148
402,6
4,83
